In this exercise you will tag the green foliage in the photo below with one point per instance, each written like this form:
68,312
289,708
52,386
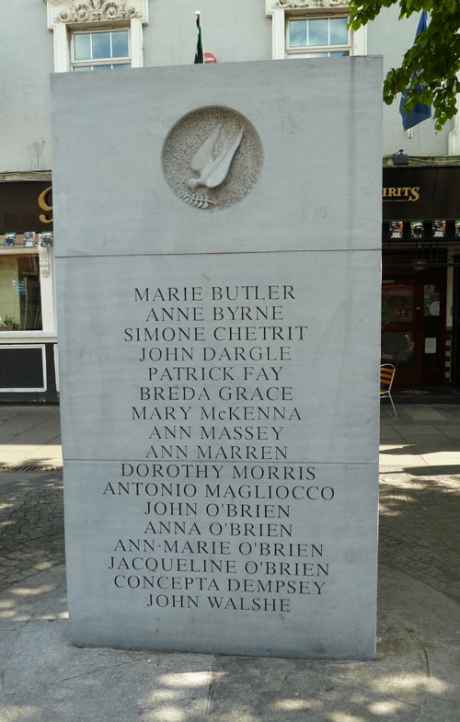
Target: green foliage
9,324
428,72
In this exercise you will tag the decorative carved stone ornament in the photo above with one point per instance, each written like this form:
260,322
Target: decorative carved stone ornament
95,11
212,158
309,4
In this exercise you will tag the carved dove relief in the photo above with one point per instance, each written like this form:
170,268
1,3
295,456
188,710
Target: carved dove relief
212,157
213,168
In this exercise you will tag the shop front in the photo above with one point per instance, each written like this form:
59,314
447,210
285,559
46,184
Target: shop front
420,279
28,342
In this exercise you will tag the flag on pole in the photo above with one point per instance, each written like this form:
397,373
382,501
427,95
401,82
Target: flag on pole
199,41
420,112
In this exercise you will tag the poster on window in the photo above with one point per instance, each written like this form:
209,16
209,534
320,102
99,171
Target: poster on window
439,229
396,229
416,230
431,301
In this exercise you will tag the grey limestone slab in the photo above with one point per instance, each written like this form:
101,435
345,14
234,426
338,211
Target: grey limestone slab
218,283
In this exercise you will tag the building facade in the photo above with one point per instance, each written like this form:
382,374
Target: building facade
421,233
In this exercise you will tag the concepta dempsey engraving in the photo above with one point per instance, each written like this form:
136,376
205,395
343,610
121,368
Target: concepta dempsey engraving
212,157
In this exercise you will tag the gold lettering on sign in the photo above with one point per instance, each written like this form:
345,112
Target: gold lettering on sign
409,194
44,205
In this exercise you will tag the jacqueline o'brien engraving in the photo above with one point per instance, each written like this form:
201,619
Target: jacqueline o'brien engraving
212,157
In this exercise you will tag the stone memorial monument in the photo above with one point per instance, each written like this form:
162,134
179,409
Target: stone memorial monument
218,264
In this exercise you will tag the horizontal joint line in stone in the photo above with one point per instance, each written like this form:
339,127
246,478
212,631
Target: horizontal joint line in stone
220,253
221,461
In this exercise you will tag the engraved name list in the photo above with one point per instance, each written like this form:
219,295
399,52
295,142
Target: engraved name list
222,498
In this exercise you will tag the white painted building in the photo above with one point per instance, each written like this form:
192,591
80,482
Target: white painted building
45,36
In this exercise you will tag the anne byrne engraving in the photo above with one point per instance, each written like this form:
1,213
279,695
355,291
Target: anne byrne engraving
212,157
220,502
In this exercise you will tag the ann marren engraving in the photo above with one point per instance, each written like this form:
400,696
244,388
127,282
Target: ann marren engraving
210,452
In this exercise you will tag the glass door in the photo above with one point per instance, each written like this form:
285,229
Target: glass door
400,332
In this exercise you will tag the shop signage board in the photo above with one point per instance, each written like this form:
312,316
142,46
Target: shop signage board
428,192
25,206
219,305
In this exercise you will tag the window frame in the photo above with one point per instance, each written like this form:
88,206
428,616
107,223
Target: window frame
312,51
47,294
79,65
27,347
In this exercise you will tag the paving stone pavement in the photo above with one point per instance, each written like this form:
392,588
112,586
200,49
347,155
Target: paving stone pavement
420,495
31,492
31,524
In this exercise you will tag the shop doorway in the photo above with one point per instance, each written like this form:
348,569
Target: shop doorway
413,325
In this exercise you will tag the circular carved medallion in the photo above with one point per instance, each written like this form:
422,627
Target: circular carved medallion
212,157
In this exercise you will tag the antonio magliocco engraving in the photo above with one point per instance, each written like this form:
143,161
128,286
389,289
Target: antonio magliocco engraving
212,157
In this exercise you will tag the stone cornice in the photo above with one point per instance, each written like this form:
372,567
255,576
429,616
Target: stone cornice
95,11
271,5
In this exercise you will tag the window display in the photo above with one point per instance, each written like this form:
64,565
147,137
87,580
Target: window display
20,303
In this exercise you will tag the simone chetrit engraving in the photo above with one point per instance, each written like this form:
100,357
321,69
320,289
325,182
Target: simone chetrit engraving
220,495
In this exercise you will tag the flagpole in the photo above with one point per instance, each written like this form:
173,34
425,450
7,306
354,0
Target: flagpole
199,40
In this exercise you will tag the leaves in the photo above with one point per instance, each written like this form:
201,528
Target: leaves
197,200
428,72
